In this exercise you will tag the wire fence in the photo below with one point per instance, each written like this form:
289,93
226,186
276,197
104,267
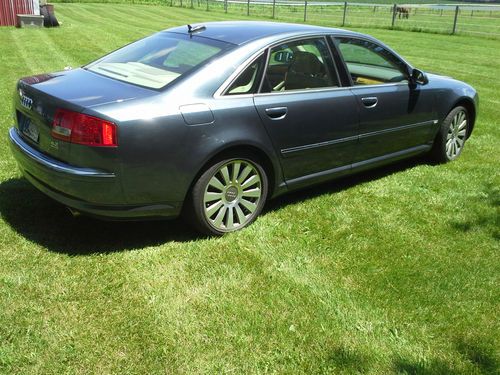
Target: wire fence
481,20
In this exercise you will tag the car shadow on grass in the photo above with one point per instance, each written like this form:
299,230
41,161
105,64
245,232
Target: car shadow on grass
487,219
343,183
479,357
49,224
430,367
480,354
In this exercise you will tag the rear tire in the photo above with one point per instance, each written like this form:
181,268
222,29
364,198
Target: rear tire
228,196
452,135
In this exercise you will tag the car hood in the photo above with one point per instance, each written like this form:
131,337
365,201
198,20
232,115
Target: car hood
452,83
436,75
84,88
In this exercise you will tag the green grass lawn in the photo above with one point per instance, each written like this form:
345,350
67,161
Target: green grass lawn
392,271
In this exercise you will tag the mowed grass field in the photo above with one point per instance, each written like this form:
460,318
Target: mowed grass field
392,271
480,20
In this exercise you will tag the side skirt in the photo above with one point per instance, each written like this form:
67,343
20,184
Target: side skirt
330,174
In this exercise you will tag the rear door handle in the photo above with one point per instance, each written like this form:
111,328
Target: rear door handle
370,101
276,113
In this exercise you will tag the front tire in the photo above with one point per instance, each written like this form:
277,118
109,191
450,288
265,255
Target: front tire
228,196
452,135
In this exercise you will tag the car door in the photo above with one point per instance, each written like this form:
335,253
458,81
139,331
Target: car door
311,120
396,117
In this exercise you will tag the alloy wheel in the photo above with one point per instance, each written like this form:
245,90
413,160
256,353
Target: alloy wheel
232,195
457,133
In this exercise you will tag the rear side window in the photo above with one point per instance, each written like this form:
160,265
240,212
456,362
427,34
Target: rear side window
248,81
158,60
369,64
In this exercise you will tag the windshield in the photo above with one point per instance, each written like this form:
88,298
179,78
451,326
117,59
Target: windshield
158,60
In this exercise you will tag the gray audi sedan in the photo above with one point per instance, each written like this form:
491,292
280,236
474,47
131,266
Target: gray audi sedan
212,120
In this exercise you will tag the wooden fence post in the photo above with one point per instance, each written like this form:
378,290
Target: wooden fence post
207,5
394,15
274,7
345,13
305,10
248,7
455,20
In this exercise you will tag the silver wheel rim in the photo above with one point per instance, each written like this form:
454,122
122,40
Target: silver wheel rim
457,133
232,195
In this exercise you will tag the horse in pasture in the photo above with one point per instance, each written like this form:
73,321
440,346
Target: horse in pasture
403,12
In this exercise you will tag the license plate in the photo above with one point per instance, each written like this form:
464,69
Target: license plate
30,130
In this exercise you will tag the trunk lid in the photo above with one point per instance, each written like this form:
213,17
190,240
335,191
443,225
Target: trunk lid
38,98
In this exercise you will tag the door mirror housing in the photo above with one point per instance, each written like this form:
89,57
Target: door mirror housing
419,77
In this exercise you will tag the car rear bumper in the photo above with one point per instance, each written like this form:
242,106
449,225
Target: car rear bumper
91,191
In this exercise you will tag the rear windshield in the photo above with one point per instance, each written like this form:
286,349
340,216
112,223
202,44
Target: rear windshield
158,60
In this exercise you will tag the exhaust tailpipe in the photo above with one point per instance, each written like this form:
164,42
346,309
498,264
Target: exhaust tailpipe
73,212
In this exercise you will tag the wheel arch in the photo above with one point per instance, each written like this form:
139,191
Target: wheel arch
273,172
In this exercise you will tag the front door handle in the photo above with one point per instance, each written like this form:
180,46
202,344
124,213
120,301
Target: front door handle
370,101
276,113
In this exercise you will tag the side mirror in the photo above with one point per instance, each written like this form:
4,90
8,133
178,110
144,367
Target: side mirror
419,77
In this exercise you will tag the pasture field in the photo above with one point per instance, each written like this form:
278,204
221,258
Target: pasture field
167,2
392,271
471,20
428,16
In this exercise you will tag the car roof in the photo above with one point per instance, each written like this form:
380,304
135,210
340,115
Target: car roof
241,32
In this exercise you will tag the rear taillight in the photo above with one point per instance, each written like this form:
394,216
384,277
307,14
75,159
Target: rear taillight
83,129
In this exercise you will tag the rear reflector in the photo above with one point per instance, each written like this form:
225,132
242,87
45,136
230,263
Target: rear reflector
83,129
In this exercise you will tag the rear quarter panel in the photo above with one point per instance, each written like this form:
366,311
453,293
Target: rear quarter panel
160,154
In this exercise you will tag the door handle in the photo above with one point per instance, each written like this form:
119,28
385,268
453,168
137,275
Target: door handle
370,101
276,113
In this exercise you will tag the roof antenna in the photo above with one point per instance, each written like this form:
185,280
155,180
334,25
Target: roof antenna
194,29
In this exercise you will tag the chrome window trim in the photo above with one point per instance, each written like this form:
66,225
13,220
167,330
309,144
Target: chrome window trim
326,89
219,93
402,83
316,90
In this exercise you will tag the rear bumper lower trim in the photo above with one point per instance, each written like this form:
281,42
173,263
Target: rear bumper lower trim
90,191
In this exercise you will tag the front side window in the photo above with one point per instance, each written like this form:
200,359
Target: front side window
370,64
158,60
299,65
